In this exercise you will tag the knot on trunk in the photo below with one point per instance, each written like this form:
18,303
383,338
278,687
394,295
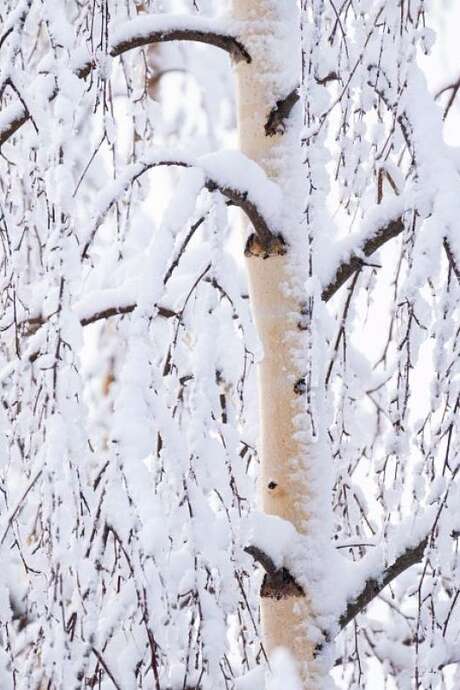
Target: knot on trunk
272,246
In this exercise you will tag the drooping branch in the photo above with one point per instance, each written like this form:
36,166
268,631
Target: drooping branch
147,29
355,262
451,258
255,198
276,122
374,586
454,88
144,30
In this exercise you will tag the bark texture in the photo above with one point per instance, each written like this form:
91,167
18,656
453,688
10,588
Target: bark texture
284,470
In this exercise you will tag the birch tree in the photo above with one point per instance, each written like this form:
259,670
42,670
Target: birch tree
230,345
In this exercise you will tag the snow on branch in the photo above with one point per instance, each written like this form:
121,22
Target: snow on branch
382,225
374,585
231,173
141,31
270,541
158,28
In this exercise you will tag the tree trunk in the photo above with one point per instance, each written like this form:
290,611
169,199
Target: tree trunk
269,30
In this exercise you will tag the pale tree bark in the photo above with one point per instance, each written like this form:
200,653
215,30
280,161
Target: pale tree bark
285,458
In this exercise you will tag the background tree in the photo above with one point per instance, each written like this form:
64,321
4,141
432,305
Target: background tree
134,552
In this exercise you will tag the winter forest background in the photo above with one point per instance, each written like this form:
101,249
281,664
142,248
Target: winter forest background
133,538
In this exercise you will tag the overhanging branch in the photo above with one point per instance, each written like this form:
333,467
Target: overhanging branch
162,28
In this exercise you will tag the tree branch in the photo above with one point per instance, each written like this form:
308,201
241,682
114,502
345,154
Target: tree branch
272,242
451,258
160,28
119,311
354,263
373,587
278,583
279,114
276,122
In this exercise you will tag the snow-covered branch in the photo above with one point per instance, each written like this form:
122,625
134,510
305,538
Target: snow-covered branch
363,247
374,585
238,178
157,28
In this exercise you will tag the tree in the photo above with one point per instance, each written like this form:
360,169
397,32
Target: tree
134,554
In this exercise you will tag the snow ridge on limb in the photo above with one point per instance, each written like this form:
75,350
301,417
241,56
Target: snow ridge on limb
234,175
178,27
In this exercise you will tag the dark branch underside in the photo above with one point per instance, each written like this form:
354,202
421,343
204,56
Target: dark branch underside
224,41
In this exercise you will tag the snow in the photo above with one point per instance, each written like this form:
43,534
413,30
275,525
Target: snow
128,460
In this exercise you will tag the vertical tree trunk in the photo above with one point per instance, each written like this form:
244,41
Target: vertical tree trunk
270,29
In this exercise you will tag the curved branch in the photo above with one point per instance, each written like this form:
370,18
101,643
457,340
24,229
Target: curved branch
140,32
373,586
162,28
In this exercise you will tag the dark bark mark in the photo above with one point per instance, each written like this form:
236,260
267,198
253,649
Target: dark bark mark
270,246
